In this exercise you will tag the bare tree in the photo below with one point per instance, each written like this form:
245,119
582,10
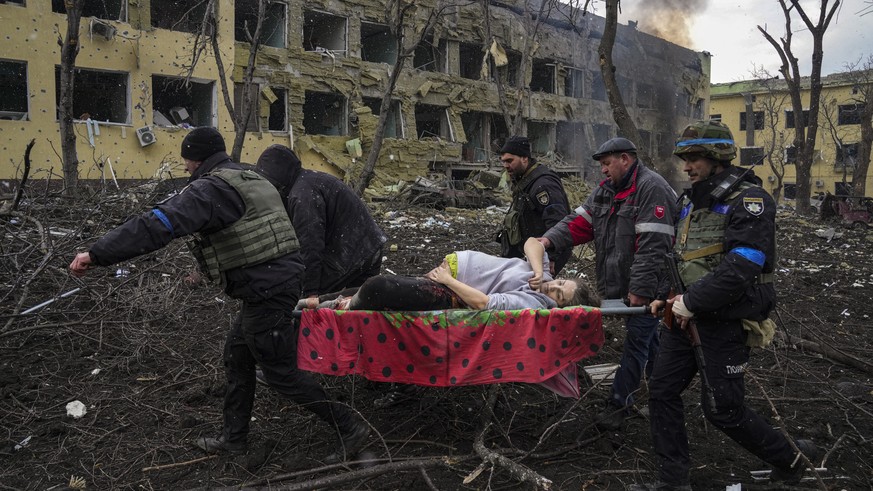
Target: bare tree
66,93
242,113
804,137
774,140
620,114
401,15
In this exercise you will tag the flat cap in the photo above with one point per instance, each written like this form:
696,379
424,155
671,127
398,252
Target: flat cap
615,145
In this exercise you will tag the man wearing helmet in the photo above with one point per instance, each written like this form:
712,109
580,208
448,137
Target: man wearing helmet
630,218
726,242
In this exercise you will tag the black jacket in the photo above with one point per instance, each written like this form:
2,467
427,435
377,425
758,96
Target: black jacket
337,234
207,204
543,204
731,290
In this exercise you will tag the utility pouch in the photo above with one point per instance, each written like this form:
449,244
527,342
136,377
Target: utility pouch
760,333
198,247
512,227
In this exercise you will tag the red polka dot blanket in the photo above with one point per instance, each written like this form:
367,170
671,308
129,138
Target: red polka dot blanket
452,347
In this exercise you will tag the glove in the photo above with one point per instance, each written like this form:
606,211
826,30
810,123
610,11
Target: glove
680,309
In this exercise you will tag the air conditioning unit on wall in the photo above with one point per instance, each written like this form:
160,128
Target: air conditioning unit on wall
145,135
819,183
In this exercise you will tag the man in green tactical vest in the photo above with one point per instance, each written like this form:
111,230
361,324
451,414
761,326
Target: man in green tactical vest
538,202
244,241
726,239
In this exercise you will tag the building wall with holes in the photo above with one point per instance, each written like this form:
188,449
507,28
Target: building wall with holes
769,139
319,78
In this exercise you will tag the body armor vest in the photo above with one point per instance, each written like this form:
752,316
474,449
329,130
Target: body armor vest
702,246
264,231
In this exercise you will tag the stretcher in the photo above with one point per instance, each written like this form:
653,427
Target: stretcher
455,347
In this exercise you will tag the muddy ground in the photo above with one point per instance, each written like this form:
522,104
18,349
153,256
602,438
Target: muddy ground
142,352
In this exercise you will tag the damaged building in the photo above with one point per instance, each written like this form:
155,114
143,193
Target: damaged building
320,75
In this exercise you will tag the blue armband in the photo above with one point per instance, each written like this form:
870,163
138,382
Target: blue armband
753,255
163,218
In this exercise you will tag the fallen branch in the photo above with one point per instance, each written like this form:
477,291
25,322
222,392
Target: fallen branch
826,351
519,471
178,464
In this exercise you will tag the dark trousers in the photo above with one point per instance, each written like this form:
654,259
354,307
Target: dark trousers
265,334
726,357
638,355
403,293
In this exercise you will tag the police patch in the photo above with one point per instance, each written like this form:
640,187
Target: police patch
755,206
543,197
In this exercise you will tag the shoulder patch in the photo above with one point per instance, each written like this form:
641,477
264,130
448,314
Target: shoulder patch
543,197
660,211
755,206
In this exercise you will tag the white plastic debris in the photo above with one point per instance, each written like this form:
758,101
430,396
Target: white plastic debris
76,409
122,273
95,371
23,443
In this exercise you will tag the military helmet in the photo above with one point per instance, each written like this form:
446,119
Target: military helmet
712,139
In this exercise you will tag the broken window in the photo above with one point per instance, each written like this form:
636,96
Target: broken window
499,131
850,114
104,9
324,114
847,155
378,43
574,83
789,190
278,120
470,57
789,118
13,97
474,127
509,72
99,95
178,16
570,141
542,77
540,136
602,132
751,155
430,57
272,27
176,103
325,31
715,117
598,88
252,123
759,120
432,122
790,154
394,125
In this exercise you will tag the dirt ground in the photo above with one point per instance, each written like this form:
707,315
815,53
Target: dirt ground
142,352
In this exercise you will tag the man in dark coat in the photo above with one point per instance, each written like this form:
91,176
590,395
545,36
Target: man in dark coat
539,202
245,242
339,240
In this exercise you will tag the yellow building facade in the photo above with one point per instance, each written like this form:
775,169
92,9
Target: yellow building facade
771,131
319,78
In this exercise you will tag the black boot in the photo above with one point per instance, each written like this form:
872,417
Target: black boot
219,445
350,443
793,475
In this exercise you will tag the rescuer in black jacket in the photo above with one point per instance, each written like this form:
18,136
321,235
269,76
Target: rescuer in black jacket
539,202
339,240
245,242
726,238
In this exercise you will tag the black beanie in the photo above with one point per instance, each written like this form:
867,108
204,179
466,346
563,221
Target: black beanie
202,143
517,145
